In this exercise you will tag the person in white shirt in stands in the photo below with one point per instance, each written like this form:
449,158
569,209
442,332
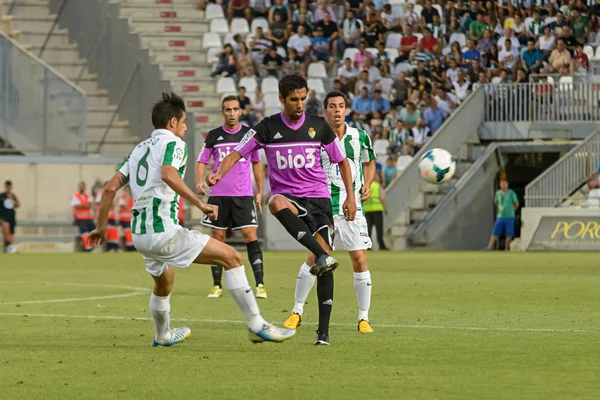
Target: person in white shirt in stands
347,71
405,158
420,134
461,86
374,72
509,57
301,43
452,72
509,36
447,101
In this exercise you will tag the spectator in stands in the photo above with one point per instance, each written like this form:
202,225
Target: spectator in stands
509,57
580,25
350,32
437,28
245,63
320,49
536,27
391,20
323,9
532,58
313,105
462,87
408,43
434,116
519,29
400,88
301,22
471,53
355,5
257,106
245,106
259,45
236,9
398,136
227,64
478,27
405,157
546,42
303,10
452,72
355,122
382,58
278,32
361,55
447,101
509,37
301,43
362,104
330,30
257,9
292,64
278,8
389,171
373,71
580,62
347,73
559,24
473,73
363,82
422,85
373,30
485,43
560,57
420,134
272,63
410,114
379,104
569,39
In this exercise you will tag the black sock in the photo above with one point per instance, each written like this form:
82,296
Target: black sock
325,298
256,261
217,272
299,231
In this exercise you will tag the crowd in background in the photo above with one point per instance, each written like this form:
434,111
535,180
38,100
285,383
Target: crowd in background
414,63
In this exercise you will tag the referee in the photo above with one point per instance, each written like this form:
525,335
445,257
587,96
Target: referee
8,220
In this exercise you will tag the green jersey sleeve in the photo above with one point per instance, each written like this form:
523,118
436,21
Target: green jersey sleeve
175,154
366,146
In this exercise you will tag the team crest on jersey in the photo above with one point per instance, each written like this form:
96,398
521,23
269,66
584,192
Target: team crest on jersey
311,132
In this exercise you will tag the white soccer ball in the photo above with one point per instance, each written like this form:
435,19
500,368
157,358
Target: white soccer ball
437,166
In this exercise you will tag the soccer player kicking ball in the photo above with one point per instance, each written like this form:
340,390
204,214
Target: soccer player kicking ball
233,195
155,170
353,234
301,202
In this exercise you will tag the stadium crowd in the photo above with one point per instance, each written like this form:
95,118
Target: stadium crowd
406,67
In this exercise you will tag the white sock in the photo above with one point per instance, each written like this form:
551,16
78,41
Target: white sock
362,287
304,285
237,284
161,312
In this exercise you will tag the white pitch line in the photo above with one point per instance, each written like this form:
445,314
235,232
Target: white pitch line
136,292
231,321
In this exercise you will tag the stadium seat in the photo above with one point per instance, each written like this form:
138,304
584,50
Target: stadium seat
282,51
386,83
262,22
394,2
316,85
393,53
597,56
350,52
240,25
249,82
214,11
549,20
418,9
211,40
393,40
219,25
271,100
419,36
273,110
226,85
317,70
458,37
373,51
211,54
403,67
588,51
446,50
270,85
228,39
439,8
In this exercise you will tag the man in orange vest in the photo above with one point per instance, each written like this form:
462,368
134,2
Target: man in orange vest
82,211
125,215
112,232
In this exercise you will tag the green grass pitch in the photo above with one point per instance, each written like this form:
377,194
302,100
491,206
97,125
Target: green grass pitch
447,326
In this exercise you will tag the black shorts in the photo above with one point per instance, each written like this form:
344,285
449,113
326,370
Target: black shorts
85,225
12,223
234,212
315,212
125,224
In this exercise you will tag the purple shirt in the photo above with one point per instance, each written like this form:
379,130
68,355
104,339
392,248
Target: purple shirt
218,144
294,153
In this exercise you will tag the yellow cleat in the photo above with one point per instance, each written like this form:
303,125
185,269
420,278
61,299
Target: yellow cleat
364,326
261,292
215,292
293,321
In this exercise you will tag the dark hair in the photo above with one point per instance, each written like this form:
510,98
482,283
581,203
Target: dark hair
335,93
8,183
171,106
292,82
229,98
242,87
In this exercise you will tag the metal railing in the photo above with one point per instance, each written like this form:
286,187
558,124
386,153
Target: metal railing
444,213
561,101
565,176
40,110
459,127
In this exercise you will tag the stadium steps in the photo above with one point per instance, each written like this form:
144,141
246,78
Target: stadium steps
34,20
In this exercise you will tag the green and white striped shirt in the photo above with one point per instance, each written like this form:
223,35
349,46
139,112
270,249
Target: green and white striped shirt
359,149
155,203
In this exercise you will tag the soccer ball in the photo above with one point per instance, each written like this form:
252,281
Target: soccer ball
437,166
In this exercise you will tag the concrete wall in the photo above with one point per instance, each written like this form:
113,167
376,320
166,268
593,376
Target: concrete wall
536,130
45,189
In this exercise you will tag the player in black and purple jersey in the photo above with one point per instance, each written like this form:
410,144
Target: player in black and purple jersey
233,195
292,141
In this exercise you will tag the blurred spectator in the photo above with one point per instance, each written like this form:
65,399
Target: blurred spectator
478,27
330,30
389,171
462,86
245,63
236,9
307,14
320,49
313,105
323,9
361,55
437,28
278,33
408,43
245,106
532,58
404,158
301,43
447,101
257,106
580,62
560,57
410,114
293,64
509,57
391,20
379,104
400,88
508,37
227,64
428,12
272,62
259,45
278,8
362,104
420,134
355,122
546,42
350,32
363,82
434,116
257,9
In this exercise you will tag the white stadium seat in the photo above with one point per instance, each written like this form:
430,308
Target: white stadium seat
317,70
211,40
228,39
439,8
373,51
214,11
211,56
317,85
350,52
271,100
393,53
419,36
262,22
249,82
597,56
240,25
458,37
226,85
418,9
393,40
270,85
282,52
219,25
273,110
588,51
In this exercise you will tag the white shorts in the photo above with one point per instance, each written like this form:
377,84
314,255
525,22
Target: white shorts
353,234
178,248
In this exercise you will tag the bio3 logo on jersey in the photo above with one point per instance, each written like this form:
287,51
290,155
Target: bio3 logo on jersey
224,153
289,161
336,177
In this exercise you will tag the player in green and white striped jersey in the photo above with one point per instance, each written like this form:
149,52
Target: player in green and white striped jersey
353,234
155,171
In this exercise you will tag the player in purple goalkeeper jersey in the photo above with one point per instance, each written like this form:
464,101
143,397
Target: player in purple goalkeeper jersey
233,195
292,141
